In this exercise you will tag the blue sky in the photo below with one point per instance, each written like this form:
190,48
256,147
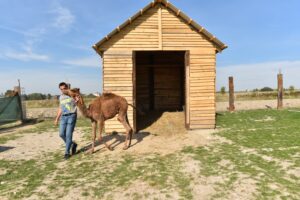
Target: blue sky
45,42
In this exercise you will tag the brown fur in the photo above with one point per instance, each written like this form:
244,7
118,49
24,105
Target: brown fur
105,107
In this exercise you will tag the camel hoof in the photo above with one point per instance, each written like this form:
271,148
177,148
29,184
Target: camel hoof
91,151
125,147
110,148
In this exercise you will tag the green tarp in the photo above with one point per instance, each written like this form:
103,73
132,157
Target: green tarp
10,109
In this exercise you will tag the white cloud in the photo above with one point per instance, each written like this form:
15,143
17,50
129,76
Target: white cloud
84,62
61,21
14,30
64,18
258,75
26,55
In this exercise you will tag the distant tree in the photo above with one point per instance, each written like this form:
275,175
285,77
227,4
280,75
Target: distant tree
90,95
49,96
36,96
255,90
291,89
55,97
24,97
266,89
223,90
8,93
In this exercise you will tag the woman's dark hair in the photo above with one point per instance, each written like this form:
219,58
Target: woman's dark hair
63,84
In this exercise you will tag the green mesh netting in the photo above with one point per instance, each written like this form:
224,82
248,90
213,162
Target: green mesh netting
10,109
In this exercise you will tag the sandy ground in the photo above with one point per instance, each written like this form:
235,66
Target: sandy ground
221,106
258,104
33,145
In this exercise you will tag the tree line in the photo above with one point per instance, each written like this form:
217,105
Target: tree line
39,96
291,89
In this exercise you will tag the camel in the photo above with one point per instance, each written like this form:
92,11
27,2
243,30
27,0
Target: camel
104,107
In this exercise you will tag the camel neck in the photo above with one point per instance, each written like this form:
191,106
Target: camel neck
82,107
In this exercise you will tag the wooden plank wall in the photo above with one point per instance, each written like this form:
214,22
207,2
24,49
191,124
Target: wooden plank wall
142,34
117,78
160,29
177,35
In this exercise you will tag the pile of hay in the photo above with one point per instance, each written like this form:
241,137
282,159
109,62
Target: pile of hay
163,123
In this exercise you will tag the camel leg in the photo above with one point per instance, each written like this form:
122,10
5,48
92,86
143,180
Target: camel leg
101,124
94,127
124,121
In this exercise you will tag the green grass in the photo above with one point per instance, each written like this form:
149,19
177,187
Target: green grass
108,174
251,137
270,133
23,177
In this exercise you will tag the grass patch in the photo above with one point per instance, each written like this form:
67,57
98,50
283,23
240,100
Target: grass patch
21,178
261,142
254,135
107,174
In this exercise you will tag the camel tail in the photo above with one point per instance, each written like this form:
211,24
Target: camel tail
130,132
141,112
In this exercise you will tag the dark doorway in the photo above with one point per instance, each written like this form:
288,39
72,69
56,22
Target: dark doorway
159,84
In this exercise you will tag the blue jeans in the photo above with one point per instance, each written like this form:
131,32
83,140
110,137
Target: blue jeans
66,128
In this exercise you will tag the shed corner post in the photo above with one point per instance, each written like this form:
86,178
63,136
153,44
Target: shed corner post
134,90
187,89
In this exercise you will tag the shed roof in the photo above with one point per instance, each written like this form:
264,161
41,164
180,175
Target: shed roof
200,29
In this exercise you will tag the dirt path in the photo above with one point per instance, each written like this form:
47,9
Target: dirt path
258,104
33,145
163,136
221,106
155,167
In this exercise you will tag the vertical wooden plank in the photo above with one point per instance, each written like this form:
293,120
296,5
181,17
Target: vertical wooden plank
102,75
280,91
159,29
134,89
231,94
187,89
151,84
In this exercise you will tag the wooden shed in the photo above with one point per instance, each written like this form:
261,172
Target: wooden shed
160,59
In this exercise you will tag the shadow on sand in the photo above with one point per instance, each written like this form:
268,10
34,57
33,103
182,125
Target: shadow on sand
5,148
119,139
11,126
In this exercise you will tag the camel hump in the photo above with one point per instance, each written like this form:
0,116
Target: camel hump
108,95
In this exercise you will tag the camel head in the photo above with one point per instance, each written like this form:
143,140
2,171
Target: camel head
75,94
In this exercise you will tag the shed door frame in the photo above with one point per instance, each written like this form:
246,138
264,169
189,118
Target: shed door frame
134,90
187,89
186,85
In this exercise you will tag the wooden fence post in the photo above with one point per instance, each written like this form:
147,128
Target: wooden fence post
231,94
280,91
17,90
